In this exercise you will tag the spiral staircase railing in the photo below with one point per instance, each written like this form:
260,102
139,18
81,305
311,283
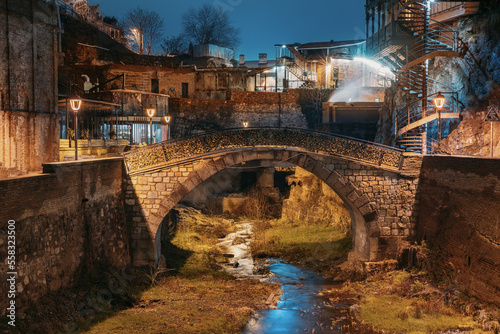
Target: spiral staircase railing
430,39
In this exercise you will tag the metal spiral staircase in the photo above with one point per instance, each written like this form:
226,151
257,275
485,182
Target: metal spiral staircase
429,39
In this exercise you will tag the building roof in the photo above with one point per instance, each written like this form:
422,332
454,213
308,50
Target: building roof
329,44
322,57
256,64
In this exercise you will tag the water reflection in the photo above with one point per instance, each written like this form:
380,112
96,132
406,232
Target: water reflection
300,309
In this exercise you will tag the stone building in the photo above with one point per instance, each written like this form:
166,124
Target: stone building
185,82
28,86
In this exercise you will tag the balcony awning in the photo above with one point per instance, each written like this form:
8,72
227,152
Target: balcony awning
91,104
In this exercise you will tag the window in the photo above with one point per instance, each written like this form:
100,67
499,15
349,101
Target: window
155,86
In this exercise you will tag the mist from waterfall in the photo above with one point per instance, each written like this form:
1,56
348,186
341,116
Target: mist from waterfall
350,92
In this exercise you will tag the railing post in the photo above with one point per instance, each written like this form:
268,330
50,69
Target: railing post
164,151
424,143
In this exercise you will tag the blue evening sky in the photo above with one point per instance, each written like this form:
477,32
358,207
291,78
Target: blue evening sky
263,23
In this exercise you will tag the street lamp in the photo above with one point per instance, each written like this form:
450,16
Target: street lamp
245,124
168,118
439,103
151,112
138,37
76,105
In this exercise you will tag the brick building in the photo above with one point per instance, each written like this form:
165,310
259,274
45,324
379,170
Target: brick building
28,86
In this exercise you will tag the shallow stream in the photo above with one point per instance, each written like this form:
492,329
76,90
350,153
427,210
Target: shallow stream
301,308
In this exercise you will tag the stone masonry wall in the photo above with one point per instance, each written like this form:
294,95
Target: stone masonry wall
259,109
387,201
26,141
70,224
395,197
459,217
143,194
289,97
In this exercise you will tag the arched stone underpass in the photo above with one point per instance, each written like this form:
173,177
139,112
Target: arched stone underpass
382,203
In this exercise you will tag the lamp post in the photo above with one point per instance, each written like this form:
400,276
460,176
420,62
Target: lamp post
328,71
168,118
439,103
151,112
76,105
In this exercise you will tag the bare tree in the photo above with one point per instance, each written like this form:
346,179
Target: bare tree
311,101
145,29
174,44
210,25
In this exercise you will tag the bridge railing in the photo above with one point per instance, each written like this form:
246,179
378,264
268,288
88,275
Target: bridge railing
167,152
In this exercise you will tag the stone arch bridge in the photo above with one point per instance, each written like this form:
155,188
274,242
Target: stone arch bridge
377,183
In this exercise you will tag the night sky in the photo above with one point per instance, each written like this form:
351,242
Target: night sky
263,23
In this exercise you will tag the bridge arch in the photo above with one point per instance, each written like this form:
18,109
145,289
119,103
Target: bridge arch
378,184
363,216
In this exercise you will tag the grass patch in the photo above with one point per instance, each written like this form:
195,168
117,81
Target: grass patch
403,302
411,315
180,305
195,297
294,242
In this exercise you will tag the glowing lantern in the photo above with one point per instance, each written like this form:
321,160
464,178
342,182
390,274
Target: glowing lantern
439,101
151,111
75,104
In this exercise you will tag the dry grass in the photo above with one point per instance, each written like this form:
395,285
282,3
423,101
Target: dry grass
180,305
411,315
260,206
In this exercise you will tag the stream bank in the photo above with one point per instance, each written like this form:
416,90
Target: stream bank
418,299
194,295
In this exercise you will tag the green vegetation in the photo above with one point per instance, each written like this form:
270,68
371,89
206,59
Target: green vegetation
195,296
315,245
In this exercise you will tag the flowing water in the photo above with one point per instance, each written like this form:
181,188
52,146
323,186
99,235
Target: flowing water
241,263
301,308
